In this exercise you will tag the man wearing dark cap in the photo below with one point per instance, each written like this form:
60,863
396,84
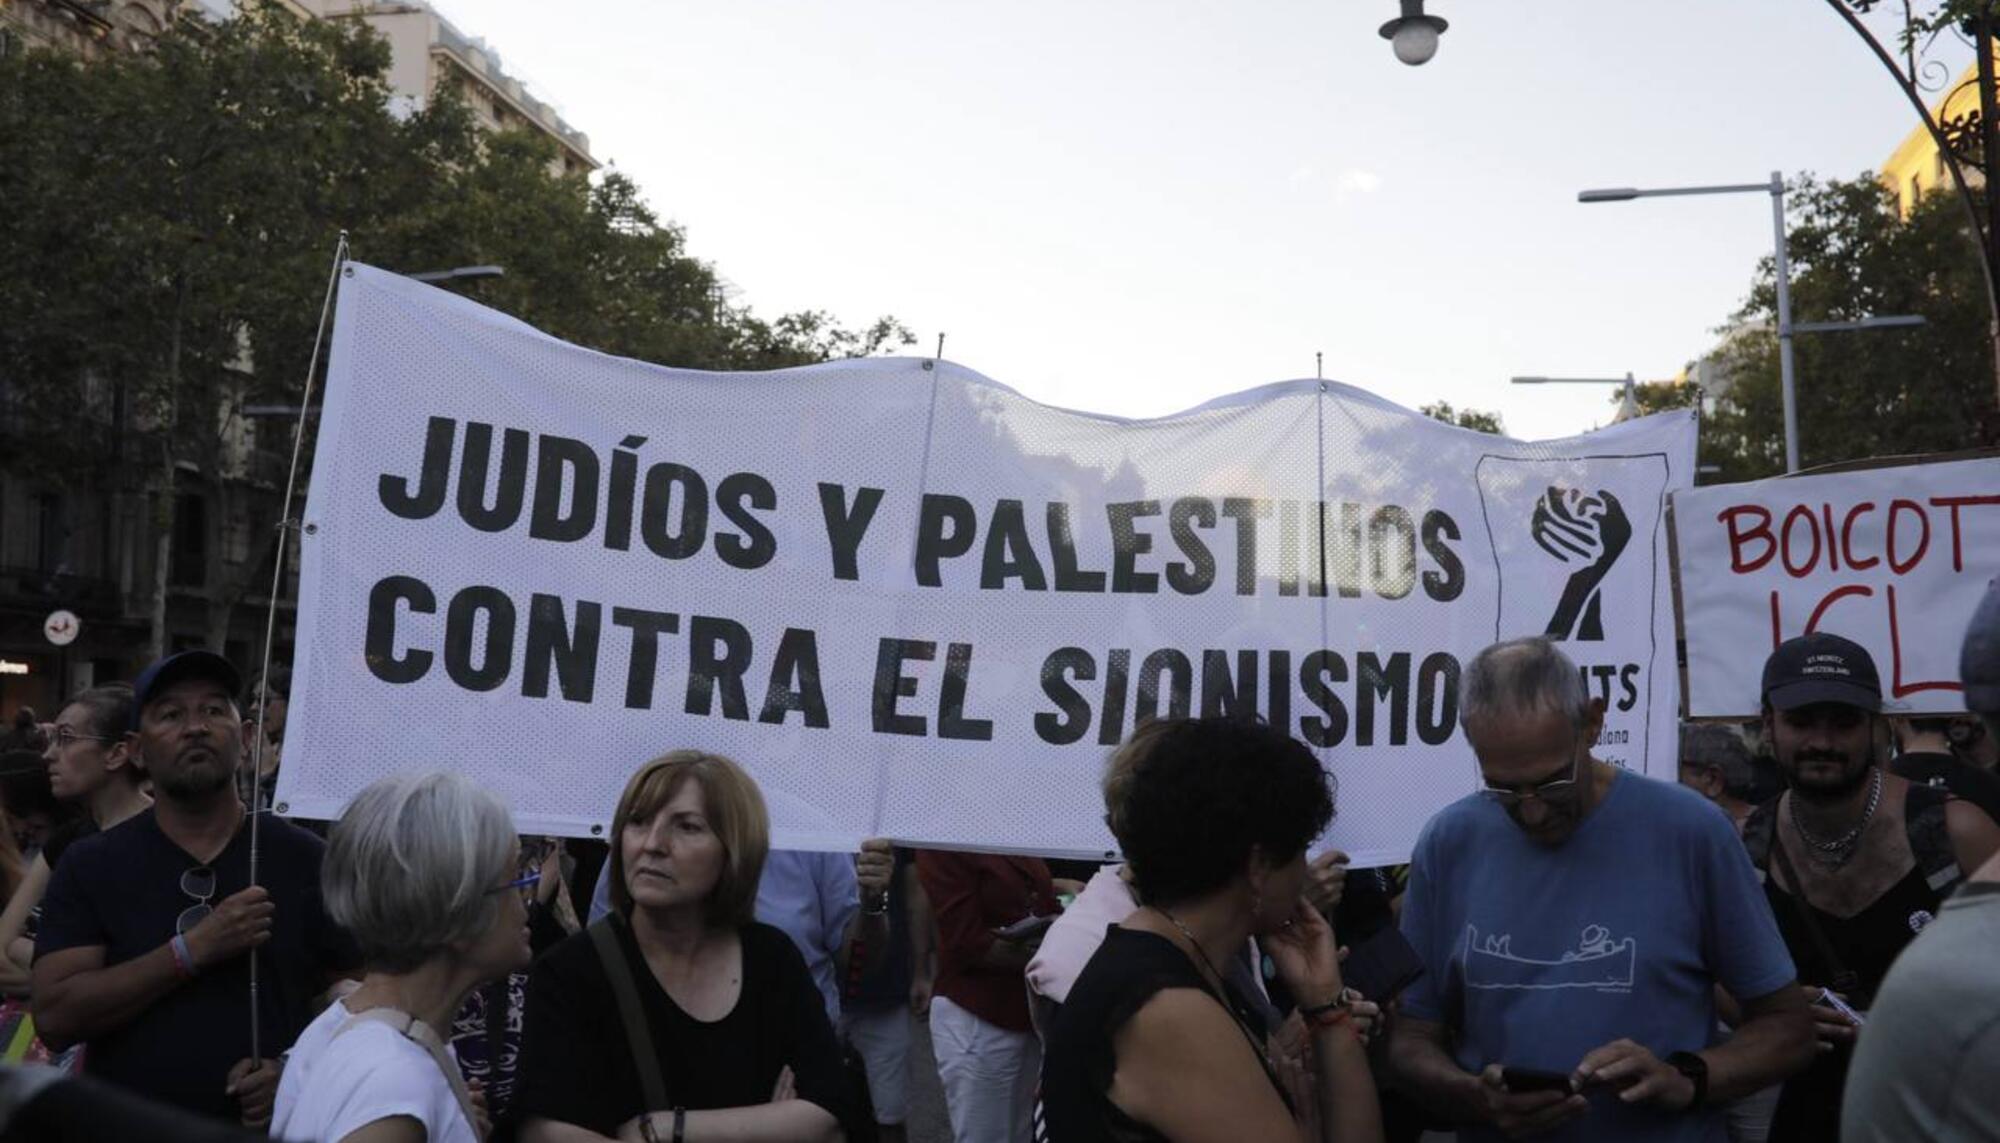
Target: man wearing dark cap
148,929
1926,1063
1856,860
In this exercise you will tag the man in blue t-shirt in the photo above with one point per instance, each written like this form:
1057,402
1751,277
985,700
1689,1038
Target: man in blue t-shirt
1576,919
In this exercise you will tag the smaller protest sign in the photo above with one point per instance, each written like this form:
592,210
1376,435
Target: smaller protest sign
1893,558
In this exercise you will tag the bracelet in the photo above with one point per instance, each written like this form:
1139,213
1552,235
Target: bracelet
877,907
646,1131
1321,1017
183,957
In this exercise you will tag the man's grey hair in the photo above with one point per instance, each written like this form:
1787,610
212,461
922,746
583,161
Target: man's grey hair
410,868
1720,748
1522,676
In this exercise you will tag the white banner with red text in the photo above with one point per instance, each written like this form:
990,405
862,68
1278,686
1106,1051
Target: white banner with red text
1892,558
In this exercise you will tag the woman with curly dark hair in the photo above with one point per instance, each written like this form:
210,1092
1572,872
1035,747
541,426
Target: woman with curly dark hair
1153,1042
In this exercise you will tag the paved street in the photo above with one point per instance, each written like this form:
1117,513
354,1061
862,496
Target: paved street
928,1121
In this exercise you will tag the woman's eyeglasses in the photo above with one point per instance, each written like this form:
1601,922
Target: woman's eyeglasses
198,883
524,884
66,737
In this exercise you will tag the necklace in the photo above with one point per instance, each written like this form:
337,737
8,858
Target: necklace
1840,850
1222,988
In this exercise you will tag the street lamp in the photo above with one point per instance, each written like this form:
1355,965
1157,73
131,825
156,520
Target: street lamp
1414,35
1628,405
1782,272
1888,321
458,274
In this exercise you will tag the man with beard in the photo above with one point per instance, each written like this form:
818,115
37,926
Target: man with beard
148,929
1925,1064
1856,860
1575,921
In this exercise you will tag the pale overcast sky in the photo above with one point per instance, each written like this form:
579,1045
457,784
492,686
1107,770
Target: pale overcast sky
1131,207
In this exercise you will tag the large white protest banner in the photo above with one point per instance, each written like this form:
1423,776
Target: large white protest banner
916,604
1893,558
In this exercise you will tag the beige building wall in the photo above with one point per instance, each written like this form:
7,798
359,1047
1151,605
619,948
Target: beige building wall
1916,168
426,53
429,53
82,28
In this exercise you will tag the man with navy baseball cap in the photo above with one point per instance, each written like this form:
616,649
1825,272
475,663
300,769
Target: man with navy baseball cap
1856,859
1926,1060
148,929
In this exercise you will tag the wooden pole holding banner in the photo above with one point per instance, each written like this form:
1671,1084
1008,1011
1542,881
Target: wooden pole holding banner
286,524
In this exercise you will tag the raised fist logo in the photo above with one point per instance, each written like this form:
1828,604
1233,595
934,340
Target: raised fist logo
1587,532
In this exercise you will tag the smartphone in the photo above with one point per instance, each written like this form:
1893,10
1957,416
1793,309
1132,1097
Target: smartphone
1519,1080
1382,966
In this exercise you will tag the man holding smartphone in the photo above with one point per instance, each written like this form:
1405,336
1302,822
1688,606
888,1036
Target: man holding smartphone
1575,921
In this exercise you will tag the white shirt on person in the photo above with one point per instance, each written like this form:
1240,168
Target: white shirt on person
334,1085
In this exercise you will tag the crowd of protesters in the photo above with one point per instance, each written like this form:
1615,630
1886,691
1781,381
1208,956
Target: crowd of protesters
1792,943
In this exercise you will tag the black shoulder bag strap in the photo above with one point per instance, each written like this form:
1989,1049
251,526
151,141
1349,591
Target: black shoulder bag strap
625,990
1844,981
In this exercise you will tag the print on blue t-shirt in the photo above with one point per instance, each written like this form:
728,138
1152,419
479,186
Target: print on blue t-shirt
1538,955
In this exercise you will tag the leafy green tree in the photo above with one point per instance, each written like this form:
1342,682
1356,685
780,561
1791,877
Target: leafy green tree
1869,393
1476,419
169,219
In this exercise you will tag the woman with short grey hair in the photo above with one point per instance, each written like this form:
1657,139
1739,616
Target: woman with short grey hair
424,872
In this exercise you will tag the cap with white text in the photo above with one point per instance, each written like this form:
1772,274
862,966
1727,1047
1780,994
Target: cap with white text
1821,667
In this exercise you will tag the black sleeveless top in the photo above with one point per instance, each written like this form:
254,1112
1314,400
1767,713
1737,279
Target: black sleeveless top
1864,945
1079,1063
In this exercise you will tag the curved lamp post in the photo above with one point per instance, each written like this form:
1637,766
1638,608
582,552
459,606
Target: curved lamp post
1958,141
1414,35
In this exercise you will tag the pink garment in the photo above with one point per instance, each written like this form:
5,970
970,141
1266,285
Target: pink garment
1073,939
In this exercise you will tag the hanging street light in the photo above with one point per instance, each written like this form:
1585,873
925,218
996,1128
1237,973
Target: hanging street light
1413,34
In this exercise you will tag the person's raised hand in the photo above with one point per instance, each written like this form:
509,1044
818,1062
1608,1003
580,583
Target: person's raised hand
254,1084
1522,1114
1637,1074
1306,957
873,866
1326,880
240,923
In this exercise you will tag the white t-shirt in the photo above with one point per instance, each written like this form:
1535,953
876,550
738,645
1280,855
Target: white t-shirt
333,1085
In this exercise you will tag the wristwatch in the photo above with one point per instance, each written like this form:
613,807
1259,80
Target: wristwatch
1695,1069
